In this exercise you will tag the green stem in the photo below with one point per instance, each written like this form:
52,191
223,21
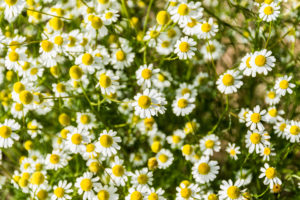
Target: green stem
270,30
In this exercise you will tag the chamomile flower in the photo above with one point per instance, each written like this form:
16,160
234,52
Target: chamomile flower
155,194
231,191
176,139
188,192
272,98
138,192
110,16
88,61
164,46
93,165
183,105
117,172
187,151
149,103
165,158
122,57
256,140
86,185
108,82
246,67
266,152
273,115
262,61
184,11
146,75
292,131
210,144
152,36
76,140
191,27
8,133
185,88
279,128
212,50
185,47
56,160
18,110
85,120
60,89
283,85
108,143
12,9
38,179
62,191
142,177
208,29
163,80
233,150
229,82
205,170
105,192
95,26
34,128
15,59
254,118
243,115
245,175
269,12
270,174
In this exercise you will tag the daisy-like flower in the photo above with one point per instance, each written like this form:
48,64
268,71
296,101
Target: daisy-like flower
106,192
142,177
210,144
117,172
283,85
136,192
108,82
266,152
176,139
229,82
292,131
256,140
152,36
164,46
245,175
38,179
85,120
86,185
149,103
205,170
185,47
189,192
7,133
76,140
163,80
165,158
208,29
270,175
15,59
121,58
254,118
262,61
183,105
279,128
108,143
90,151
88,61
191,27
18,110
272,98
273,115
246,67
185,88
60,89
146,75
212,50
56,160
231,191
233,150
153,194
12,8
109,16
183,12
95,26
269,12
243,115
62,191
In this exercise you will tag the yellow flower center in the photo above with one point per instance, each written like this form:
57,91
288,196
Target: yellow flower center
96,22
209,144
59,192
184,47
192,23
271,95
294,130
270,173
210,48
64,133
175,139
72,41
47,46
165,44
19,107
268,10
26,66
60,87
183,9
104,81
187,149
75,72
206,27
136,195
185,91
54,158
144,101
282,126
185,193
228,80
260,60
273,112
56,23
23,182
103,1
163,158
5,131
284,84
255,117
18,87
153,196
87,59
37,178
255,138
171,33
103,195
162,17
94,167
33,71
142,179
106,141
203,168
118,170
90,148
267,151
76,138
233,192
13,56
58,40
212,197
232,152
25,97
86,184
248,62
276,188
120,55
154,34
161,77
182,103
146,73
108,15
85,119
11,2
